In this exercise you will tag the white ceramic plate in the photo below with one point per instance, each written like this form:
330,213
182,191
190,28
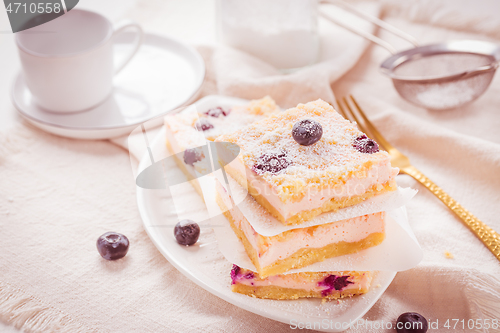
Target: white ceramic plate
204,264
164,75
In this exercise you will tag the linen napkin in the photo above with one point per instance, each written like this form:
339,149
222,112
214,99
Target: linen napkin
58,195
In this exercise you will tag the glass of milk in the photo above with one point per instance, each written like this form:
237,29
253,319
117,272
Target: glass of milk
281,32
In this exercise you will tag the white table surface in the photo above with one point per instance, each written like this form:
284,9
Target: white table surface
190,20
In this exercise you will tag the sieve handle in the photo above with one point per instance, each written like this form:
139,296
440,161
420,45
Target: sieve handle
378,22
480,70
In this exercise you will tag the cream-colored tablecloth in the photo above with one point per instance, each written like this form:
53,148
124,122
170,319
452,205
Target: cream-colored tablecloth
58,195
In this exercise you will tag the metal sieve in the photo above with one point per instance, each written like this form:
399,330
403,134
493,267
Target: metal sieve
438,76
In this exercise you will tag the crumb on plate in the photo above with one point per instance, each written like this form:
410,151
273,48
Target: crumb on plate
448,255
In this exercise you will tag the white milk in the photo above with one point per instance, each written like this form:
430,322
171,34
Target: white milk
281,32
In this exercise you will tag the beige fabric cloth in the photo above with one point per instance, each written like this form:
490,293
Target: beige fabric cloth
58,195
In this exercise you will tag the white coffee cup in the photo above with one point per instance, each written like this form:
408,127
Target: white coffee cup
68,62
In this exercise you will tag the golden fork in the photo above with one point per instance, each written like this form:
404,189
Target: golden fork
488,236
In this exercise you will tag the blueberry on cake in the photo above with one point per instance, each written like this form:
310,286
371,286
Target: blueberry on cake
308,160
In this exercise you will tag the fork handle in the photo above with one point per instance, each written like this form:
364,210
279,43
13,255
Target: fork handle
488,236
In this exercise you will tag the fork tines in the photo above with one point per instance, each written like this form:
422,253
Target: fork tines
346,108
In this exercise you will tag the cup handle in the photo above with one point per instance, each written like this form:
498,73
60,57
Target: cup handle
137,42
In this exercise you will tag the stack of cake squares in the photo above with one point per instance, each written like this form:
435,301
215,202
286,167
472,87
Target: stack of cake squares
297,165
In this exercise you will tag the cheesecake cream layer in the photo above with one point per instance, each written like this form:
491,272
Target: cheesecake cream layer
378,179
300,247
187,170
303,284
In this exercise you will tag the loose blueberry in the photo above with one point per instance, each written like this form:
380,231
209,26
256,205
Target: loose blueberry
203,124
365,145
112,245
192,155
187,232
217,112
272,162
307,131
411,322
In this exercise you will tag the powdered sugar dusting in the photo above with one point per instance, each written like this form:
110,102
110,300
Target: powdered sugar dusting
329,161
183,125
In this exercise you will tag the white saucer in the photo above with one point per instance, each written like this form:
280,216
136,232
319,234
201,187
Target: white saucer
164,75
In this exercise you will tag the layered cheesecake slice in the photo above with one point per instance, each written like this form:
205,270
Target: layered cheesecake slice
328,285
308,160
187,132
297,248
